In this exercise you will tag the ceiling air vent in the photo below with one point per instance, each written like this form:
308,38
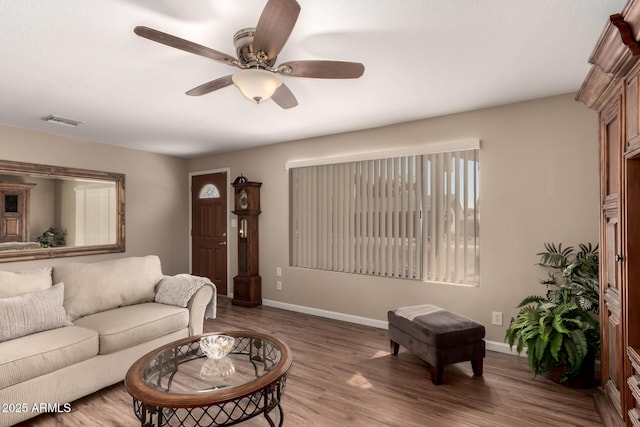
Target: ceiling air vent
61,121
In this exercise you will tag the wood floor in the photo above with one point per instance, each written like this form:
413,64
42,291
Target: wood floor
343,375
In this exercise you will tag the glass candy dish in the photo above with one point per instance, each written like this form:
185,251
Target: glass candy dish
216,346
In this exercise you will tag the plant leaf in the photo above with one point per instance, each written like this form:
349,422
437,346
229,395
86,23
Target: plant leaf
556,345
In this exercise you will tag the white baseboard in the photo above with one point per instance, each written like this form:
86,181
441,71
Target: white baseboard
328,314
496,346
503,347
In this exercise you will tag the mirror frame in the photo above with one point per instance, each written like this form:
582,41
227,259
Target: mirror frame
48,171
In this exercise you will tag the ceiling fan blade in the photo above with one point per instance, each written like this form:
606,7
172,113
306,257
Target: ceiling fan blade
274,26
216,84
322,69
182,44
284,97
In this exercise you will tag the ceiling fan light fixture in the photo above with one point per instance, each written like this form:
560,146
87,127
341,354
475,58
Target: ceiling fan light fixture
256,84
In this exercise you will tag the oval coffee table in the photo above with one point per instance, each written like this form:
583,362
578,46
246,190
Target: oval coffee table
177,385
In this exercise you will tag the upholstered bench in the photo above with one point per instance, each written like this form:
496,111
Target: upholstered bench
437,336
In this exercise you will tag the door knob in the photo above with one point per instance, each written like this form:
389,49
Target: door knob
222,243
618,258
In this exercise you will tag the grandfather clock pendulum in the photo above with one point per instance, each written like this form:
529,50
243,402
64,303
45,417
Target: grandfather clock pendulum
247,285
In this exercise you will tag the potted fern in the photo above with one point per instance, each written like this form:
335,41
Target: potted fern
560,330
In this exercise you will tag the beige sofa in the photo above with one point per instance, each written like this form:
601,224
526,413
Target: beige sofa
71,330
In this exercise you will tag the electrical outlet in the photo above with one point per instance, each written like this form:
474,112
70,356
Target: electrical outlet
496,318
279,285
278,271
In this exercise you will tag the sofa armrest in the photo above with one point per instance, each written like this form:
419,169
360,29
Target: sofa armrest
197,294
203,298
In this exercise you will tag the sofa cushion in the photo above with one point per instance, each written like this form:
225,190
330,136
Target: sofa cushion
91,288
125,327
24,282
37,354
29,313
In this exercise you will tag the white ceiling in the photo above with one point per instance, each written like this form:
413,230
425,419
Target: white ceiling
423,58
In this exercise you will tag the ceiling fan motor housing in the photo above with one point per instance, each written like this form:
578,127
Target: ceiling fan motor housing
243,42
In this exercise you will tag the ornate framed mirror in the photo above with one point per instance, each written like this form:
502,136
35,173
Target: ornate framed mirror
51,211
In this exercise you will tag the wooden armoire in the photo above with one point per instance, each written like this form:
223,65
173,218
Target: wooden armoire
612,88
15,203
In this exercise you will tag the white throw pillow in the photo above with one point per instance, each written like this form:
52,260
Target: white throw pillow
24,282
34,312
99,286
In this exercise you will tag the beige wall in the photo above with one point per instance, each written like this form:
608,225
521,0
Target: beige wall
539,183
156,193
43,206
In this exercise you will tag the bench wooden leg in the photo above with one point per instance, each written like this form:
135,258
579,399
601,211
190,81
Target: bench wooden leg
436,374
393,347
476,365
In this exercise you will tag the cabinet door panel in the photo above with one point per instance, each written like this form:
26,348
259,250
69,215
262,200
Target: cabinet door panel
613,354
612,341
612,156
633,112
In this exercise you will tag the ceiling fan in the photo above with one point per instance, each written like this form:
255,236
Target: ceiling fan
257,50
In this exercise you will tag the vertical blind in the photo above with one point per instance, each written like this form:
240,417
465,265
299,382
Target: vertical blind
409,217
451,227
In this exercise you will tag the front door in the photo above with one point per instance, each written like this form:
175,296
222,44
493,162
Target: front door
209,228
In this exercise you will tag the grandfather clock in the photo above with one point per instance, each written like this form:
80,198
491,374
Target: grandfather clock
247,285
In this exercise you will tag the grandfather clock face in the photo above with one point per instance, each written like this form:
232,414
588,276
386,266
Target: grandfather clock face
242,200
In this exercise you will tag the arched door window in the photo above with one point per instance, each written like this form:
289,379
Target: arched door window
209,191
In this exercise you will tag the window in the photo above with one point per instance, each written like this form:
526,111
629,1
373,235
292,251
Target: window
95,214
412,217
209,191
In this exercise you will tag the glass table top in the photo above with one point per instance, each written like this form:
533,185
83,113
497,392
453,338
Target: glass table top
185,369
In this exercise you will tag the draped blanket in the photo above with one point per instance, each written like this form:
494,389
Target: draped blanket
177,290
